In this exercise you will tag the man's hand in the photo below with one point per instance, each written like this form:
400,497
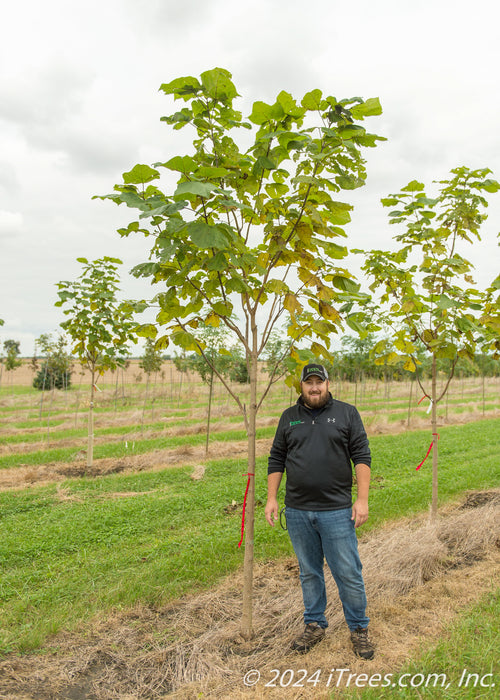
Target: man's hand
271,511
359,512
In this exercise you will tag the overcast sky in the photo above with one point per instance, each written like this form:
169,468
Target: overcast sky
79,105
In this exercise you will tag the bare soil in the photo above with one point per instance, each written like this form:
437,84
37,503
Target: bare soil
418,577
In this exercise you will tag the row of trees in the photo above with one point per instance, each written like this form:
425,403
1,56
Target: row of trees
53,362
255,234
251,240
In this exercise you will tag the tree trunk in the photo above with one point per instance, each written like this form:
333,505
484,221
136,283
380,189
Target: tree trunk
43,389
210,394
434,502
90,436
48,417
116,390
484,396
144,404
409,406
246,619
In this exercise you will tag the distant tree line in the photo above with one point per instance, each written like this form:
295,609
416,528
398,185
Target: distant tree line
357,359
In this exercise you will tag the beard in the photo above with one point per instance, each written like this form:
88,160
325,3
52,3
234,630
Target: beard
317,400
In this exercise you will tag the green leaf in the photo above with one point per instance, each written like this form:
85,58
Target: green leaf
490,185
353,322
194,187
182,87
263,163
349,182
350,131
312,99
147,330
261,113
275,190
447,351
183,164
218,84
288,104
333,250
496,283
217,263
465,324
133,200
212,172
370,108
344,283
445,302
340,212
413,186
185,340
205,236
223,309
179,119
276,287
140,174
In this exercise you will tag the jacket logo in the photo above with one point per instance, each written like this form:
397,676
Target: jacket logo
331,420
295,422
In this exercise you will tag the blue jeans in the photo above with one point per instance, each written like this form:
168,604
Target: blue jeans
330,535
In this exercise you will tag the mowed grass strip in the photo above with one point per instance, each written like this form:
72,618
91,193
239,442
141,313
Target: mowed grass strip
75,549
133,430
133,445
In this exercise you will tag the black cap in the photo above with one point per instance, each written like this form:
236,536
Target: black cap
314,369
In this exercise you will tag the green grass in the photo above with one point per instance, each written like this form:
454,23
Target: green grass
132,446
134,430
463,664
75,549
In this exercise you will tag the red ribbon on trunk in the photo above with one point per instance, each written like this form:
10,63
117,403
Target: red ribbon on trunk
434,435
244,507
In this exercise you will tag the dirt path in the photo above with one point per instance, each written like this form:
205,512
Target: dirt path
42,474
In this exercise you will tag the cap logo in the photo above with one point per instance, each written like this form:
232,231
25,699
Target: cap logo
317,370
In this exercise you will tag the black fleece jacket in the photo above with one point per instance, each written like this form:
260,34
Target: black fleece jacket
318,450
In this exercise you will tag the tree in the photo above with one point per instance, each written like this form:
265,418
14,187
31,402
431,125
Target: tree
251,233
420,294
55,371
237,368
213,359
12,351
99,326
490,319
151,363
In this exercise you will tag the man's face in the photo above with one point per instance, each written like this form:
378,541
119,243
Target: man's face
314,391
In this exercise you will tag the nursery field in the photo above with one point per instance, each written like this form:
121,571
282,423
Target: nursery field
123,579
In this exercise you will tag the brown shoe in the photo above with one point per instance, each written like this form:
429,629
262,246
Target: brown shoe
311,635
361,644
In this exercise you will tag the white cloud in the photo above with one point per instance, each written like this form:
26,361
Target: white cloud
80,105
10,223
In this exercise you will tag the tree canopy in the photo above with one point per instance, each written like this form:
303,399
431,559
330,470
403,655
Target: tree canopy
251,237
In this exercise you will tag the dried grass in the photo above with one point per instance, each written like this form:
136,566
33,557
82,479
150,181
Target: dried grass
193,647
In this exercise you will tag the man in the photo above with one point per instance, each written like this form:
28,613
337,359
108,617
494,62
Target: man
317,442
